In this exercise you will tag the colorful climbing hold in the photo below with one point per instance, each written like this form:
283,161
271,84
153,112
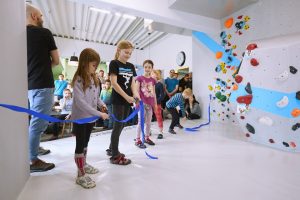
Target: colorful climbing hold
250,128
251,46
242,117
210,87
283,102
238,78
219,55
248,88
293,144
247,135
295,112
247,99
285,144
254,62
235,87
228,23
295,126
293,70
266,121
271,141
223,98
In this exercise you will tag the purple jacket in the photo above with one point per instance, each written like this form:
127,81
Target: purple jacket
85,103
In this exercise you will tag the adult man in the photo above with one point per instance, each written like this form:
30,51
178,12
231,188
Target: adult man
41,55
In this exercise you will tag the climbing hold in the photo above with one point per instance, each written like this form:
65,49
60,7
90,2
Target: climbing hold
266,121
248,88
295,126
219,55
251,46
210,87
229,60
254,62
228,23
235,87
247,135
283,102
238,78
295,112
247,99
246,18
283,76
218,94
285,144
271,141
242,117
223,35
250,128
218,68
223,98
292,144
298,95
293,70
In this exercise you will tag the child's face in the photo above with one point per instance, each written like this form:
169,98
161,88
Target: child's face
92,67
125,54
107,85
148,68
67,94
153,75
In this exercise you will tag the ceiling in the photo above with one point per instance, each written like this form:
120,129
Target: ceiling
217,9
73,20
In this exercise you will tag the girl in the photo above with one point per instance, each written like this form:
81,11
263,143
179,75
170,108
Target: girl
177,100
192,108
85,101
146,87
122,76
160,95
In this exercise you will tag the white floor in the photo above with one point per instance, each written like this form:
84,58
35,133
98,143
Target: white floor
211,164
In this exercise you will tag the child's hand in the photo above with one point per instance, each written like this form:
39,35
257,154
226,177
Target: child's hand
130,99
104,115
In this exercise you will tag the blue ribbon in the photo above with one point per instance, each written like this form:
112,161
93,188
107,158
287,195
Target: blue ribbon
197,127
47,117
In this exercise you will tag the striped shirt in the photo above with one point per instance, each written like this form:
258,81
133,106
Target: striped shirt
176,100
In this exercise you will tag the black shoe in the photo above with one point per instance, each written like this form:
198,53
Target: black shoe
179,126
43,151
160,136
172,131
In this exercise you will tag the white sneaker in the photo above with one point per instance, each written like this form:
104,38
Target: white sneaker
89,169
85,181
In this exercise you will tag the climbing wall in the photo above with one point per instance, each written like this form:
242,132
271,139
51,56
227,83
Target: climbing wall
267,100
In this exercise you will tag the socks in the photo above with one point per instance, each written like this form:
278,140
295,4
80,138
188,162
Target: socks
79,160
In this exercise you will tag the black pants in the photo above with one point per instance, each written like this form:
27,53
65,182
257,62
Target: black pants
175,117
120,112
82,133
54,127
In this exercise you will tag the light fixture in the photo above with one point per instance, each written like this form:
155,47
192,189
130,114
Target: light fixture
100,10
73,61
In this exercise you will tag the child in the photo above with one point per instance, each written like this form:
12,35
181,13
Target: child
85,100
60,85
146,88
177,100
160,95
192,108
122,76
105,96
65,105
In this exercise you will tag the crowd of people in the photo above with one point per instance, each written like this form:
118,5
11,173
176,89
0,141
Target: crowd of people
94,95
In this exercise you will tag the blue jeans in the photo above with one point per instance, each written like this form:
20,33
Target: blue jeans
108,122
40,100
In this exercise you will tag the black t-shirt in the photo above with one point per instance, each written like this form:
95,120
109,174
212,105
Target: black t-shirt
125,73
39,44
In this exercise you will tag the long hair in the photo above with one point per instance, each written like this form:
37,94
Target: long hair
86,56
123,44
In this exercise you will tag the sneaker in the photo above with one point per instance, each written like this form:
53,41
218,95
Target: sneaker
43,151
85,181
150,142
41,166
139,144
89,169
179,126
172,131
160,136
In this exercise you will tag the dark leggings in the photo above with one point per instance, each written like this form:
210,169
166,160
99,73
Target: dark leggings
82,133
175,117
120,112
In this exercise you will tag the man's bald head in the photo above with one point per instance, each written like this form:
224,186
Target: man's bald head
33,15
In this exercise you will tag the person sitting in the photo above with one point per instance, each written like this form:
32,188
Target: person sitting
192,108
65,105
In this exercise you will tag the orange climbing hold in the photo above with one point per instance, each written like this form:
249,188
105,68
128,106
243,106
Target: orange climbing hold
295,112
235,87
247,99
293,144
219,55
228,23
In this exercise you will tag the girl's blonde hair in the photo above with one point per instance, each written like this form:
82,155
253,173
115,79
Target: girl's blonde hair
87,56
123,44
188,92
157,74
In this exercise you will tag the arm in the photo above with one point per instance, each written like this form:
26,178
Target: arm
118,89
54,57
174,91
135,85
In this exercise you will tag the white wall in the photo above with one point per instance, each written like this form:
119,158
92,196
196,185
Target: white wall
14,167
268,18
